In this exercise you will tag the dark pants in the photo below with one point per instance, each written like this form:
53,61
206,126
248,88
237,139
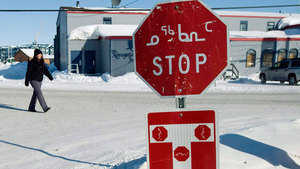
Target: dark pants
37,94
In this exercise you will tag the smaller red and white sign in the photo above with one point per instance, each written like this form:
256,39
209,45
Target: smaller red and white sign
182,140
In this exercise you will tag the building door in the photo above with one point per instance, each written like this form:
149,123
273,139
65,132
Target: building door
76,58
90,61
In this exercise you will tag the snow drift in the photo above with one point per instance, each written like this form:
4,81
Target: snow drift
288,22
13,71
97,31
294,32
12,75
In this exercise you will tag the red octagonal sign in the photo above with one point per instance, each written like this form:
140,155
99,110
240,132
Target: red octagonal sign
202,132
181,153
180,48
160,133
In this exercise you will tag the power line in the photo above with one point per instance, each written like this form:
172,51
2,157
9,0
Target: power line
251,7
124,6
60,10
124,9
30,10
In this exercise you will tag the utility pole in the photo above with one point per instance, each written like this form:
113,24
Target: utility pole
298,7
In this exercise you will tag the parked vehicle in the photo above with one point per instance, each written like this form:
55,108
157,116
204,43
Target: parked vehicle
285,70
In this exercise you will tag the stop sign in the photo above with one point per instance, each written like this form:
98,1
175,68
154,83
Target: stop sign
180,48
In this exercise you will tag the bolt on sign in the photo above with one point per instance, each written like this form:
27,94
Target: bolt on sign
183,140
181,48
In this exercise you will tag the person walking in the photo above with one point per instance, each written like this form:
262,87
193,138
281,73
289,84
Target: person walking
36,70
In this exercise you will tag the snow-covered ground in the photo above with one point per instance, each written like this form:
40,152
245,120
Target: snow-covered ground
13,76
100,122
101,130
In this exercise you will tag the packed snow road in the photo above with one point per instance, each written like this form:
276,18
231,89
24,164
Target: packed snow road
94,129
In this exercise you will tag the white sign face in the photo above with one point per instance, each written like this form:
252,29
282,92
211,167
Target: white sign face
183,136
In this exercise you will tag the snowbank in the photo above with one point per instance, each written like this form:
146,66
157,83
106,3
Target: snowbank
289,21
13,71
97,31
13,76
259,14
52,68
270,34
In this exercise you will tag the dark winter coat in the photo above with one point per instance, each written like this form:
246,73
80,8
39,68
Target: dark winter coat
36,71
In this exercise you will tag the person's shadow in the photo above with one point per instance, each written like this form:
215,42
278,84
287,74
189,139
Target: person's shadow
10,107
271,154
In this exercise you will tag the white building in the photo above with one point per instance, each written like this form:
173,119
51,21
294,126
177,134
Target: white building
98,40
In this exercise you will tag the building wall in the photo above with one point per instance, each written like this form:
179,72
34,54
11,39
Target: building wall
86,45
10,51
286,45
254,24
103,61
238,53
294,45
121,54
106,61
112,56
20,57
69,21
76,20
238,50
63,41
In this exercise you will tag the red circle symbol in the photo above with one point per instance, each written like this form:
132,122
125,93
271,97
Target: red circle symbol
181,153
181,48
160,133
202,132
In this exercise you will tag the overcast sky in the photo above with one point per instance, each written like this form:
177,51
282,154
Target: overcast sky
23,28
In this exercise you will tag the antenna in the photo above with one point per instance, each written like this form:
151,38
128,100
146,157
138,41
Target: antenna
115,3
36,38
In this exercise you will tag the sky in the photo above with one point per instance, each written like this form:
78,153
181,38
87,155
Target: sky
24,28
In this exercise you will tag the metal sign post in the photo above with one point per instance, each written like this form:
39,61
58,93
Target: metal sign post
180,102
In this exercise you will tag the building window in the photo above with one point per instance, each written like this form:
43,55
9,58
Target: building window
244,26
293,53
251,56
267,58
107,20
282,53
270,26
